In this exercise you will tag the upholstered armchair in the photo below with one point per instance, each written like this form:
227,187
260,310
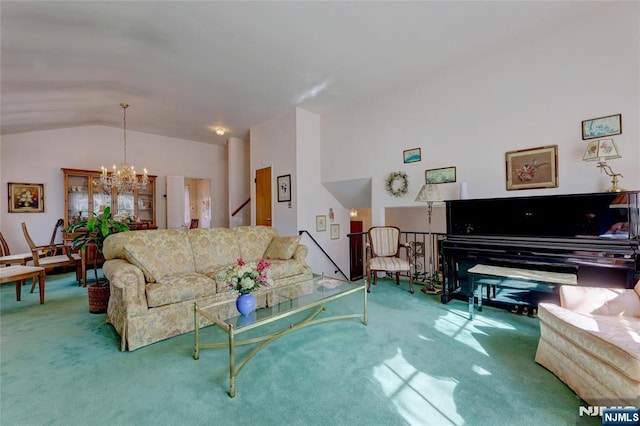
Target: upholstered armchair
592,343
383,254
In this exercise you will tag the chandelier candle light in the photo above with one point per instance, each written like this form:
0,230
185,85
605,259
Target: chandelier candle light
123,177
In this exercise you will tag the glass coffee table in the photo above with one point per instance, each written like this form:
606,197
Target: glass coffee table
288,301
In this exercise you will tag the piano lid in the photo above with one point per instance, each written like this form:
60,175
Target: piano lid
597,216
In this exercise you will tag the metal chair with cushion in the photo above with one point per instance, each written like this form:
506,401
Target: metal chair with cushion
46,257
383,254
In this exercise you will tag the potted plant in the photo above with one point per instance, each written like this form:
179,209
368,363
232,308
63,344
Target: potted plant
93,231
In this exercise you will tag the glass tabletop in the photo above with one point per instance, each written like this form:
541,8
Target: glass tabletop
294,298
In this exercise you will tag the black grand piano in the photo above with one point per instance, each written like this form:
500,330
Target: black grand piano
592,235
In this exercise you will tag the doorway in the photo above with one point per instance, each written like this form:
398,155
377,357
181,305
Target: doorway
263,196
188,198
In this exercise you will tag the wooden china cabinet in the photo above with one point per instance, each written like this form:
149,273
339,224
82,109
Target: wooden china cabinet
85,195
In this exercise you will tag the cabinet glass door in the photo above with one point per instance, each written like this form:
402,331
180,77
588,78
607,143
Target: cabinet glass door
101,198
78,193
145,204
125,204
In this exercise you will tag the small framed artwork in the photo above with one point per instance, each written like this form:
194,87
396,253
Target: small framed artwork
321,223
602,126
412,155
443,175
284,188
532,168
335,231
26,197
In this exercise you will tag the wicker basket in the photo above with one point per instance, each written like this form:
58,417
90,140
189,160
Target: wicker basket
98,297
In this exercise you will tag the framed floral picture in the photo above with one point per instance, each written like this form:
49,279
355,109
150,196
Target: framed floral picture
532,168
321,223
284,188
26,197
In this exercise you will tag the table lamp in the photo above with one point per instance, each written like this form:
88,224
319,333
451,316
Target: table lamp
601,151
430,194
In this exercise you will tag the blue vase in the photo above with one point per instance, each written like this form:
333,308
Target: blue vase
246,303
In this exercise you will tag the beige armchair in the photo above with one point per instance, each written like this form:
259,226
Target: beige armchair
383,254
592,343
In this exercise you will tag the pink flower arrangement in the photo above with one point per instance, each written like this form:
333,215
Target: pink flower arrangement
247,277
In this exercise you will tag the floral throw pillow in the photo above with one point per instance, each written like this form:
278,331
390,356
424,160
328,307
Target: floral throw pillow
282,248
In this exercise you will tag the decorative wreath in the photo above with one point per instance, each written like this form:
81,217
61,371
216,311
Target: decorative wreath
397,189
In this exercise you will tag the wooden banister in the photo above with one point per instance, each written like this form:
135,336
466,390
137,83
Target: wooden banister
235,212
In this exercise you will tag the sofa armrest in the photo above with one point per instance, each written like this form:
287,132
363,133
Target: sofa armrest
301,252
130,279
600,300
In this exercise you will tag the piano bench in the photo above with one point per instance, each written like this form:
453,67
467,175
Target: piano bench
524,279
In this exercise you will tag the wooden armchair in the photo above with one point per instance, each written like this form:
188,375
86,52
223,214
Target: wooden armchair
383,254
8,259
46,257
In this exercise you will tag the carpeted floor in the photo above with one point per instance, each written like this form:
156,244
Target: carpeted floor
418,362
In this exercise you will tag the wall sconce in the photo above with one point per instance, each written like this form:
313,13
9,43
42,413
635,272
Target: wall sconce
219,131
353,213
601,151
331,216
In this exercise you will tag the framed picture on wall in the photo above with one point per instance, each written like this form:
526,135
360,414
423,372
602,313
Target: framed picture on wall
321,223
284,188
335,231
26,197
602,126
532,168
412,155
443,175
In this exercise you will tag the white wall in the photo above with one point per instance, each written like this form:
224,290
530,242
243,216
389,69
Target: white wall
239,180
314,199
273,144
532,93
37,157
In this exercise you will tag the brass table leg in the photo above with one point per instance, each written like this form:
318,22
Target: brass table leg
232,366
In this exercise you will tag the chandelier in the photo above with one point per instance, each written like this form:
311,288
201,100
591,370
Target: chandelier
123,177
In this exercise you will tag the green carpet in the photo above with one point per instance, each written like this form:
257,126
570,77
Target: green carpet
418,362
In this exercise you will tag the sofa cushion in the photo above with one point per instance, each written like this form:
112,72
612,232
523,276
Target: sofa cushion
159,253
174,288
286,268
600,301
213,248
612,339
254,241
282,248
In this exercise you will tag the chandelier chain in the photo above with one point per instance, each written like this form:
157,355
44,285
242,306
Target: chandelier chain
124,121
124,178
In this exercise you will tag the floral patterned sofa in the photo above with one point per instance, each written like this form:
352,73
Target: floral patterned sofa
156,276
592,343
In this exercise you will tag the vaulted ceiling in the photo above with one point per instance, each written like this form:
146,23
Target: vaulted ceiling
187,67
